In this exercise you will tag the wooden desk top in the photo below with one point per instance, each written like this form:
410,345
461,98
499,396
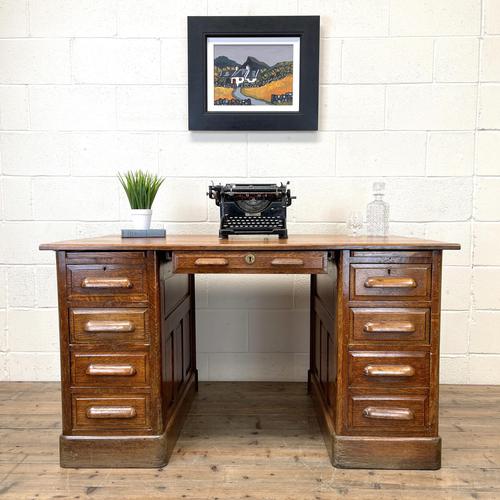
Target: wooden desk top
212,242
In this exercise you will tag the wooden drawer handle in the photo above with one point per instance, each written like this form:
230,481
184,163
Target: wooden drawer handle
389,327
106,283
389,371
388,413
111,412
287,262
211,261
111,370
385,282
106,326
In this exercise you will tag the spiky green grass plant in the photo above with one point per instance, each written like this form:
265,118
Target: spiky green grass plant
140,187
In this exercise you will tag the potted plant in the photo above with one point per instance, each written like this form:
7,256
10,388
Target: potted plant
141,188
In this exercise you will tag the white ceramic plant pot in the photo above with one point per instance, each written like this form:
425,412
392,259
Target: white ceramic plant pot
141,218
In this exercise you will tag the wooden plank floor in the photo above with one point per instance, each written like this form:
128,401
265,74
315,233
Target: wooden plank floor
248,440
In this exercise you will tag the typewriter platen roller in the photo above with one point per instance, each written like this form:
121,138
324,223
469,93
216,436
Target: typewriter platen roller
252,208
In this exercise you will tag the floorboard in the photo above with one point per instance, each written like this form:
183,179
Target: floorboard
248,440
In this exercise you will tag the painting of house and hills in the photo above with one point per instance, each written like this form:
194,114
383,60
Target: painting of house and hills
253,75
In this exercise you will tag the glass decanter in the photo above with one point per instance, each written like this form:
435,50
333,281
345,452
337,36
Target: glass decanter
377,212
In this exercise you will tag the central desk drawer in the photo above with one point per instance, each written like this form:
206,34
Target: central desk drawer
310,262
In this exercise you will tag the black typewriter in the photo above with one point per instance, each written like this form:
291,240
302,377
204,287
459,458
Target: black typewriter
252,208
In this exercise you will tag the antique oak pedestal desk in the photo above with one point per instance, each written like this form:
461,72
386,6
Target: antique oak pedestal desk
128,354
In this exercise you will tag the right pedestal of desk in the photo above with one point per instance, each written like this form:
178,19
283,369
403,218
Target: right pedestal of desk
374,368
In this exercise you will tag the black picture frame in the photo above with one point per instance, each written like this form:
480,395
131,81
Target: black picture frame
202,27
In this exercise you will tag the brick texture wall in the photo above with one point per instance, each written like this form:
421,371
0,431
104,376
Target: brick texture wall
410,92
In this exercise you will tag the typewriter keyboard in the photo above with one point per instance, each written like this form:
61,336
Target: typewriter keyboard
250,223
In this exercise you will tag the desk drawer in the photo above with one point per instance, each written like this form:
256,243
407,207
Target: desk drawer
404,325
118,413
109,369
250,262
390,281
92,325
391,414
388,369
111,281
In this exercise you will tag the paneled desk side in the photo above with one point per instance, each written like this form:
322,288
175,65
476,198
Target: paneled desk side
128,353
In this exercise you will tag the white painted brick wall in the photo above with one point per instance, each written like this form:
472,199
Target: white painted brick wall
431,107
72,18
490,62
381,153
14,107
489,106
387,60
17,198
484,328
491,17
486,199
111,60
194,154
156,18
410,92
3,331
35,153
100,155
288,154
454,332
13,18
351,107
349,18
21,291
34,60
488,152
152,107
435,17
251,7
456,59
450,154
72,107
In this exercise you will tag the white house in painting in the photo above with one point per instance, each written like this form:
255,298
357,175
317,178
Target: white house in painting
244,75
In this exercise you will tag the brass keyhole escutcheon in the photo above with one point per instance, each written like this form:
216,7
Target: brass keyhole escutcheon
250,258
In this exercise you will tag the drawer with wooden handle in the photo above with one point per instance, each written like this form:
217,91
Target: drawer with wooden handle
390,281
110,413
307,262
103,257
391,256
404,325
386,369
110,281
98,325
388,413
109,369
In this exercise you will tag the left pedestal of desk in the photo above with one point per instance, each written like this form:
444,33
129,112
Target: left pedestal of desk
128,361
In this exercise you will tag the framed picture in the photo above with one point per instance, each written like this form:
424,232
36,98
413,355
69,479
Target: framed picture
253,73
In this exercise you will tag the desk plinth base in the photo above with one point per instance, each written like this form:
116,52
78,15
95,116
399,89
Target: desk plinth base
367,452
127,451
374,452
